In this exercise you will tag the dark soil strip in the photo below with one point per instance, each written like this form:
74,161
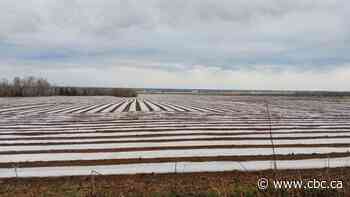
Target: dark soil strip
181,124
22,105
81,108
161,107
174,140
116,130
159,134
99,111
23,109
127,107
66,108
56,107
26,106
182,107
60,109
174,120
171,107
170,159
205,108
200,109
148,106
150,125
48,133
87,110
91,150
116,107
38,110
138,107
178,106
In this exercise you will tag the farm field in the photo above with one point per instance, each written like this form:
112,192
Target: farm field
165,133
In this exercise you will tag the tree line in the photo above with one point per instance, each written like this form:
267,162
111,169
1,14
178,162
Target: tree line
32,86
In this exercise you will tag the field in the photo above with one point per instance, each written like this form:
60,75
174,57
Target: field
211,184
64,136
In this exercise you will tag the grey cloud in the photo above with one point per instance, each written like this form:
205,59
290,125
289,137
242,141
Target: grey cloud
162,34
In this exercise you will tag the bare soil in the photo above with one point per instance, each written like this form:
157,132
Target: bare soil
233,183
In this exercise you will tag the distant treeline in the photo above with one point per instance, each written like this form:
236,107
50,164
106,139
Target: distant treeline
31,86
246,92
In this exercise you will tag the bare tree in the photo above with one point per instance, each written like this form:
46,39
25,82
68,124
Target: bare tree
31,86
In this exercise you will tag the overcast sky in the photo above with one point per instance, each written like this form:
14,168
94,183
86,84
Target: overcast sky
224,44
